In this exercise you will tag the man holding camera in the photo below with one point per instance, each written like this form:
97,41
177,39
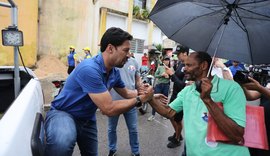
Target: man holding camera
196,105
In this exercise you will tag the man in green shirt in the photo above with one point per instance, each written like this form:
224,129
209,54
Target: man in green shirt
197,105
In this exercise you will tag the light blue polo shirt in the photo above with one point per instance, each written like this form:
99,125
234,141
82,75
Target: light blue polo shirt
128,74
195,124
88,77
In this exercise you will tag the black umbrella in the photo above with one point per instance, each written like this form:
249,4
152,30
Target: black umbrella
235,29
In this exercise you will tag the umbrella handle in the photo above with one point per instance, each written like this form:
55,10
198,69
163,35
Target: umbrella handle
213,58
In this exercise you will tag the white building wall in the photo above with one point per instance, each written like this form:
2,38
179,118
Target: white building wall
119,5
157,36
140,30
114,20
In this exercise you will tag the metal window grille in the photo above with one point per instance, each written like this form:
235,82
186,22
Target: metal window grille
137,45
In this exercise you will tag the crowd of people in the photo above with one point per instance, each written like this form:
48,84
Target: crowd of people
73,59
110,81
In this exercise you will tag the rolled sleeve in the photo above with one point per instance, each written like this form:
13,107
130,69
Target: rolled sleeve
177,104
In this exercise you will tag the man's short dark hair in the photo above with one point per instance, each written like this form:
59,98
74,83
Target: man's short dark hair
114,36
203,56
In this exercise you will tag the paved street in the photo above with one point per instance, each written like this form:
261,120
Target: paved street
153,137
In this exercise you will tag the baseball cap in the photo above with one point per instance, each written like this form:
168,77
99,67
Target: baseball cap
86,48
180,48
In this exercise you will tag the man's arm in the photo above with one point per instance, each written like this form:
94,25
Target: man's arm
76,59
111,108
255,85
251,94
226,72
158,102
126,93
230,128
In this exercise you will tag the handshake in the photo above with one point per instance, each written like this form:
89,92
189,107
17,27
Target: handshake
146,93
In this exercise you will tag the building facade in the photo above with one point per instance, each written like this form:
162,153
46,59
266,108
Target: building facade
50,26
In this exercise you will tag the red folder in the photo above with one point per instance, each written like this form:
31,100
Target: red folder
255,131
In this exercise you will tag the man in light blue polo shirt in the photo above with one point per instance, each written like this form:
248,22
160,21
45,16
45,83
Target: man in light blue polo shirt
197,105
131,77
72,116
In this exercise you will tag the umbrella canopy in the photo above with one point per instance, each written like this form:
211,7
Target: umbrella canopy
235,29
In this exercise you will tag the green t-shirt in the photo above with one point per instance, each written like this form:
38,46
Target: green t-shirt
234,102
160,79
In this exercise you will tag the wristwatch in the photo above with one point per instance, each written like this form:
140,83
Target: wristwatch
225,69
138,101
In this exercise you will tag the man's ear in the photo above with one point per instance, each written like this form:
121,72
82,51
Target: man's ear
204,65
109,48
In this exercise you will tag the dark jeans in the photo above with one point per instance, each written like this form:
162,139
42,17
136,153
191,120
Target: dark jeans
63,131
70,69
162,88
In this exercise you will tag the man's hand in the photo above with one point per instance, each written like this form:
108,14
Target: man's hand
206,87
162,98
147,94
169,71
218,63
253,85
142,88
165,75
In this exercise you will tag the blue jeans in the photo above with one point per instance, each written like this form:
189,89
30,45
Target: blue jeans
63,131
131,121
162,88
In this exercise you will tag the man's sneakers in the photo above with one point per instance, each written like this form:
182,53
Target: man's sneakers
112,153
151,118
170,138
173,143
135,154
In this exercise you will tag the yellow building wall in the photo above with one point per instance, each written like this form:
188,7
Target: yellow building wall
28,23
64,23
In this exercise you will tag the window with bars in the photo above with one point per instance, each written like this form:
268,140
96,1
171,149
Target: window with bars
137,45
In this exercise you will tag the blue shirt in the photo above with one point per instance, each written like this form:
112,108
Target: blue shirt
234,69
71,60
88,77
